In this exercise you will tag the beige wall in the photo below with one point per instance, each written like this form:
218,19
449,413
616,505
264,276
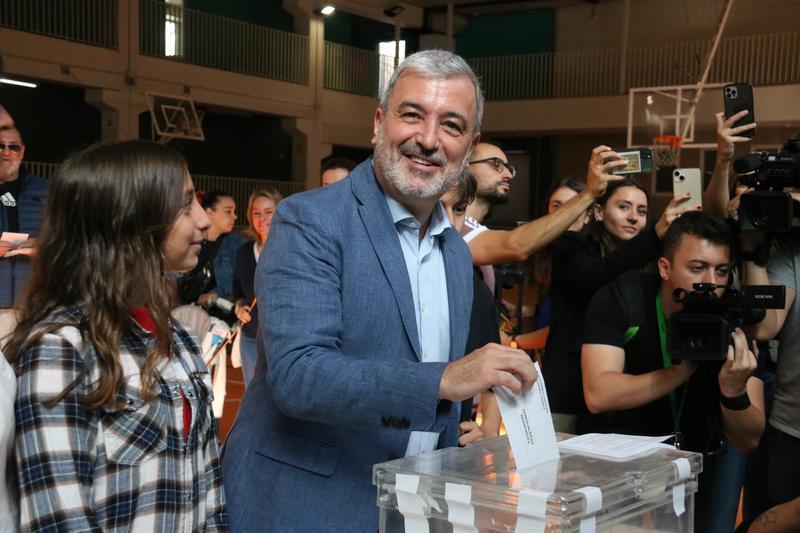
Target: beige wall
589,26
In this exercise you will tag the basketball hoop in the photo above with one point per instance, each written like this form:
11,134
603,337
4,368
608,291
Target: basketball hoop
667,150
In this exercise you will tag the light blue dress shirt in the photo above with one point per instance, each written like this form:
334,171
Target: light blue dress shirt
425,265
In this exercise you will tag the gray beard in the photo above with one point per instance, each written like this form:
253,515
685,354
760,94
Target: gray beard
392,169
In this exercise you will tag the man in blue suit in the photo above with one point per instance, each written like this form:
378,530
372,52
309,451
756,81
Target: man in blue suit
365,291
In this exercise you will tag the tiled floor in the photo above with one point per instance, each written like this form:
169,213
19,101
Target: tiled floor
233,395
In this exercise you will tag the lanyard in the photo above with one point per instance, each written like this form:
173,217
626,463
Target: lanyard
662,334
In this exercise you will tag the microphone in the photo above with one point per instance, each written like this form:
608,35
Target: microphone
747,163
221,303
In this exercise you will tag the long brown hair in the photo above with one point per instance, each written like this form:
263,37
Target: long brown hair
107,214
596,228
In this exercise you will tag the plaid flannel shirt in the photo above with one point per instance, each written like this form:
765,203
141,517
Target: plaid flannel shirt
115,469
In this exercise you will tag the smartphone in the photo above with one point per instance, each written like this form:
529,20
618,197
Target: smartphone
639,160
688,180
739,97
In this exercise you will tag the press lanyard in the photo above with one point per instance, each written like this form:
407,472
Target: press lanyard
673,403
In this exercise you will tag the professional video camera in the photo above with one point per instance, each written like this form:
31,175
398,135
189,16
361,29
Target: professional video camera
702,330
769,207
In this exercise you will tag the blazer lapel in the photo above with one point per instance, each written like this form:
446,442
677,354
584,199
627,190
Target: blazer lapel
459,291
378,223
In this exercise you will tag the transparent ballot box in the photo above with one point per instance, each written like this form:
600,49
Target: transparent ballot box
478,488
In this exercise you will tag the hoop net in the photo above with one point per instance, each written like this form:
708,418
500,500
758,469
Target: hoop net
667,150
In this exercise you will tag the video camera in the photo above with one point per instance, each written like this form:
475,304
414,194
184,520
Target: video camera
702,330
769,207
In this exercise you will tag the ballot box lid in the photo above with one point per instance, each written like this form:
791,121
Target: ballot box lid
480,485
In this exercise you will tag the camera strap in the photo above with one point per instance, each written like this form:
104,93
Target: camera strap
673,402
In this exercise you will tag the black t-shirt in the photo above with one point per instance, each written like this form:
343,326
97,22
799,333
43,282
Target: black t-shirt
608,319
9,196
578,271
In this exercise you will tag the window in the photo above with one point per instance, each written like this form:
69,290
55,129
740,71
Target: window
386,53
173,28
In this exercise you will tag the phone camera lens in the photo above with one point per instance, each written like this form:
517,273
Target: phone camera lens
681,178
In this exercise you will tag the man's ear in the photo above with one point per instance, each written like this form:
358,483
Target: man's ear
664,268
376,124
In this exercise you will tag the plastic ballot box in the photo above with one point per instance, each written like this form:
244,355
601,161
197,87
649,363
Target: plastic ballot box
479,489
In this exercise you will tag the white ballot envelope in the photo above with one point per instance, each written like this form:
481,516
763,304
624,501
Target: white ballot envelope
16,238
528,424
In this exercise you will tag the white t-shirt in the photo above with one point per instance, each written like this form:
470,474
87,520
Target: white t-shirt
473,228
8,501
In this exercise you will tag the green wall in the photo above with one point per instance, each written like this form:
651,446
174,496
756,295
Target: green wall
364,33
505,34
262,12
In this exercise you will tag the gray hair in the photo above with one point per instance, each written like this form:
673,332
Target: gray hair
436,64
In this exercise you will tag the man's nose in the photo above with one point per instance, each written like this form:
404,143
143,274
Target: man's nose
427,136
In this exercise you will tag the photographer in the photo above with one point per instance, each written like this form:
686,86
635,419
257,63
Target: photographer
782,436
629,377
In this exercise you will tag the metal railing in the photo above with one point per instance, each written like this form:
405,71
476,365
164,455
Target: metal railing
768,59
352,70
239,188
172,32
91,22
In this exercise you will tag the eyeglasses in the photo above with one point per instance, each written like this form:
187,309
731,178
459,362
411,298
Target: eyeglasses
498,165
14,147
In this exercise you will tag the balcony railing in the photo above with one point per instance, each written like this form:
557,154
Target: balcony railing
91,22
770,59
239,188
172,32
355,70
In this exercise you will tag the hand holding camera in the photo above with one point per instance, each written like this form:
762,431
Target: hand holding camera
740,364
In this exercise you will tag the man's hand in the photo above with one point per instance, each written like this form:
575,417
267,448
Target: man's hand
671,212
598,176
470,432
204,300
739,366
494,364
727,135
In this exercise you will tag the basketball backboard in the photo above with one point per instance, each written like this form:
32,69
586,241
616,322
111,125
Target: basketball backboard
175,117
666,111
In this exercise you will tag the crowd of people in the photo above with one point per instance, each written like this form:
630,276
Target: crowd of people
369,326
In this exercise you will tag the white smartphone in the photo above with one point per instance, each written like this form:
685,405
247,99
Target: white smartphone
688,180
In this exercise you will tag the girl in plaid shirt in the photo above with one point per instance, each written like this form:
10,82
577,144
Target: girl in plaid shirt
114,430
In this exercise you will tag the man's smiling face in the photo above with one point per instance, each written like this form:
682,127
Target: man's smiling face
424,138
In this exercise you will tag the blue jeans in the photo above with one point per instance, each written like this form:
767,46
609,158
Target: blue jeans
247,346
717,501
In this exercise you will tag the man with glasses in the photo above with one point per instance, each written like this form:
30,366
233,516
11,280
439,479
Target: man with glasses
493,174
22,198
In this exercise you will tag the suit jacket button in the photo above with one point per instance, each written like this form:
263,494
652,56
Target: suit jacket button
384,421
405,422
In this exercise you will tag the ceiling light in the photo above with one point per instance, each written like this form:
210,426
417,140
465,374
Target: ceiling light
9,81
325,10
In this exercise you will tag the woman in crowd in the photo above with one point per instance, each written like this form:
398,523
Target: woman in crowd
114,426
212,278
260,209
582,263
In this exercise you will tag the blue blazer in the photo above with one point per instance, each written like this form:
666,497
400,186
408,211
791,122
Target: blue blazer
339,384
